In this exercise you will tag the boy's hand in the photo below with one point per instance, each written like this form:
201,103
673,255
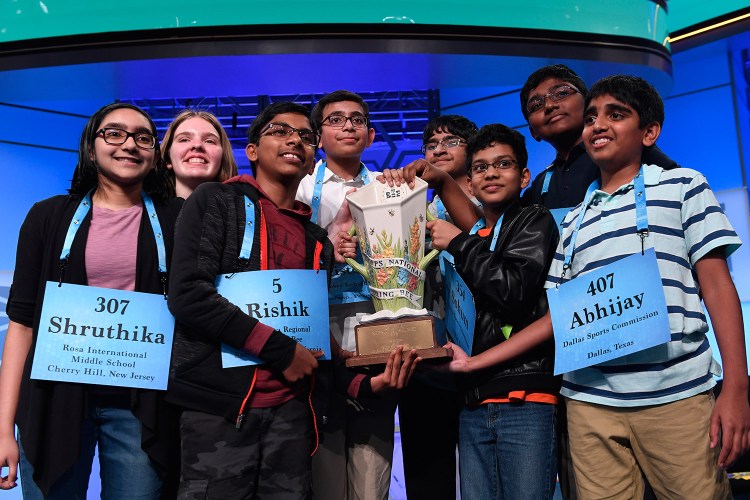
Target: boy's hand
347,247
302,365
426,171
9,458
421,168
393,177
338,352
730,419
460,361
396,374
442,233
340,224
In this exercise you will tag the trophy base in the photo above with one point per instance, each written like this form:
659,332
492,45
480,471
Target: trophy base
376,340
381,359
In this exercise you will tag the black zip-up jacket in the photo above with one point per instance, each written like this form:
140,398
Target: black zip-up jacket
208,238
508,289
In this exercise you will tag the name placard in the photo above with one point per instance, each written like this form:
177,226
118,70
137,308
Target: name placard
347,286
293,301
103,336
616,310
460,311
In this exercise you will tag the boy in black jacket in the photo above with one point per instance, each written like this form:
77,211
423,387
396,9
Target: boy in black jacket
248,431
507,428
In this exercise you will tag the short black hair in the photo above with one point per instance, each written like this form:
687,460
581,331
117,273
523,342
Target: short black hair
633,91
496,133
458,125
337,96
86,173
277,108
559,71
268,113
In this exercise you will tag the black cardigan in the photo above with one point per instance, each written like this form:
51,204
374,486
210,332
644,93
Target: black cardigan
50,414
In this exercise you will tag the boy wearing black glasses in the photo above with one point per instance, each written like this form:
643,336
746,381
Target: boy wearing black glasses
552,103
230,428
507,426
430,405
356,448
506,436
248,431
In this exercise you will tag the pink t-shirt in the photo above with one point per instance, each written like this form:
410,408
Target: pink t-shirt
112,246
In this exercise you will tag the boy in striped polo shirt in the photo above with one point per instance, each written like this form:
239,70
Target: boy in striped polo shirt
651,411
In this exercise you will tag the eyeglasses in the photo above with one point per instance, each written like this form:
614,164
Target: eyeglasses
482,168
560,93
118,137
339,121
448,143
282,131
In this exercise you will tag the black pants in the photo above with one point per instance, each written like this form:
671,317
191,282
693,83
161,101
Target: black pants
428,418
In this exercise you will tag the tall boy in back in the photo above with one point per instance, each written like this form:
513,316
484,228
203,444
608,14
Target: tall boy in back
354,458
507,428
552,103
651,411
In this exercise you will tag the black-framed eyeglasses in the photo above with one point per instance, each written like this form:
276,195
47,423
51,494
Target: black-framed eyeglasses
339,121
447,143
118,137
558,94
282,131
482,168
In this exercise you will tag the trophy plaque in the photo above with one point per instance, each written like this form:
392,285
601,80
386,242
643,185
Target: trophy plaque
390,226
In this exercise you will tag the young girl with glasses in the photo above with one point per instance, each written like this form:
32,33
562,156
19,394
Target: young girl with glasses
112,230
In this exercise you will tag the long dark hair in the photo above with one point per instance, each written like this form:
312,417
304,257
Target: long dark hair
86,174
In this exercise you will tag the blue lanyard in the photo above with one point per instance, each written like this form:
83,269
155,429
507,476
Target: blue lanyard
83,210
318,189
248,233
641,215
547,178
249,229
442,213
481,223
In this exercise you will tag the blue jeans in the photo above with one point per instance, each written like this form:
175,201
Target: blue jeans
125,469
507,451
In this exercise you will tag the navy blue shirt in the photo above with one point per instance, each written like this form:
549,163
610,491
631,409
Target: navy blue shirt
572,176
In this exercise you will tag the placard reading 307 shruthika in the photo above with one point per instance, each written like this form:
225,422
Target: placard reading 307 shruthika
103,336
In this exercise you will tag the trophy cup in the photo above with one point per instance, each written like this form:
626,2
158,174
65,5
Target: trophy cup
390,225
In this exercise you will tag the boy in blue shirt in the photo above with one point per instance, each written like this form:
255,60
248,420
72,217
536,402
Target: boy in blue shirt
649,412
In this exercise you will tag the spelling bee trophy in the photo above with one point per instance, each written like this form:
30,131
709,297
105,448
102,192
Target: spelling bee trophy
390,226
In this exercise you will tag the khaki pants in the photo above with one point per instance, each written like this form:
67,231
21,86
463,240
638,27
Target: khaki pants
669,443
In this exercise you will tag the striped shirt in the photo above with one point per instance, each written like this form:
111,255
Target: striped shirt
685,223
